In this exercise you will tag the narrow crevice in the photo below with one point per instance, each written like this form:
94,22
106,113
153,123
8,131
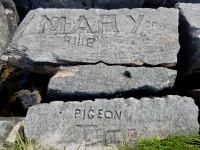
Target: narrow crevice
135,93
81,99
164,65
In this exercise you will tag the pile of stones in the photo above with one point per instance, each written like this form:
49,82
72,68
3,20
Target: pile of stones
84,77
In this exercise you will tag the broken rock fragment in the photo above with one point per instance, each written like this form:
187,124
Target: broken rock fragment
23,99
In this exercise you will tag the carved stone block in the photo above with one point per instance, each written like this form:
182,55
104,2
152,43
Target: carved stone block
90,125
74,36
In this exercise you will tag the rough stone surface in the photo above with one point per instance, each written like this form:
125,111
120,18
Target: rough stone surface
108,4
101,81
89,123
12,15
188,57
63,36
165,3
6,127
4,30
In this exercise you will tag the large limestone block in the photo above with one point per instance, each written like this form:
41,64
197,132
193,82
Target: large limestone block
4,30
75,36
188,57
108,4
101,81
89,124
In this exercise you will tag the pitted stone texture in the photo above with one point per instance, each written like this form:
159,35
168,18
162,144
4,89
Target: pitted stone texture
89,123
165,3
4,31
189,26
63,36
108,4
102,81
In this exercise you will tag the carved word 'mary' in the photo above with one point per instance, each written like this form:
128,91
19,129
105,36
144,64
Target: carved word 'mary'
90,125
63,36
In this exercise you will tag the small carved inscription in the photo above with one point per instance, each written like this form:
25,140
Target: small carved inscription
155,24
99,114
78,40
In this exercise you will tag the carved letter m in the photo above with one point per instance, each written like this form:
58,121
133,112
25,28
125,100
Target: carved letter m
53,25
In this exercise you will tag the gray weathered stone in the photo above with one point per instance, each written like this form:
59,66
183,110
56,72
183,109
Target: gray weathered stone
165,3
101,81
12,15
108,4
4,31
63,36
7,126
89,123
188,57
